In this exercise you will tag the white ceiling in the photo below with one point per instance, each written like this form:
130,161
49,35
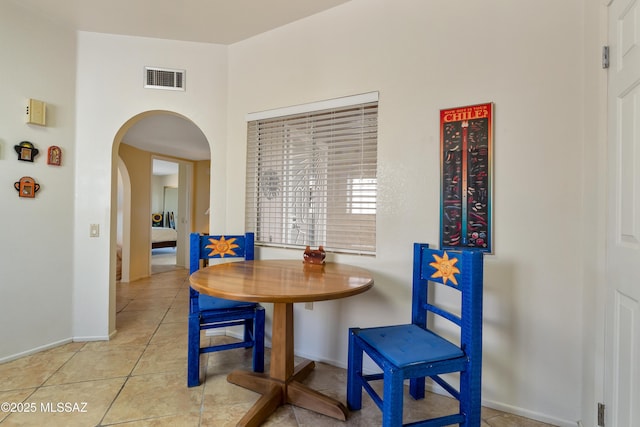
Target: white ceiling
170,135
207,21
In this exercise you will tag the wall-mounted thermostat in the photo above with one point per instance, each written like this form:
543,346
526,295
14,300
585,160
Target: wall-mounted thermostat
36,112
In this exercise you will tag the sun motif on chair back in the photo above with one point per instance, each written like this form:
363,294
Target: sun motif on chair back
445,268
222,247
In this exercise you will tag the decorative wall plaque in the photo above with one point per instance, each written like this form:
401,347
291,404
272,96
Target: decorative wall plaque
26,151
54,156
27,187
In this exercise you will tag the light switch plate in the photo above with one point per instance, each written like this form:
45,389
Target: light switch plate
94,230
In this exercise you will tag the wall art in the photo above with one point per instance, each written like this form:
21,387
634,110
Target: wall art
466,143
27,187
26,151
54,156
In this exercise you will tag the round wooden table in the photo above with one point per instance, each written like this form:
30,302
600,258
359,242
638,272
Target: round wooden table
283,283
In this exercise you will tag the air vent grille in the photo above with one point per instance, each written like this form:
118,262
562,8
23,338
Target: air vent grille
164,78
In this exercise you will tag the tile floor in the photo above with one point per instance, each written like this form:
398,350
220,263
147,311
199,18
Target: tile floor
139,377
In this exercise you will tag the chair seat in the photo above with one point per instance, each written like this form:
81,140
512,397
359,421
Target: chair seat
212,303
404,345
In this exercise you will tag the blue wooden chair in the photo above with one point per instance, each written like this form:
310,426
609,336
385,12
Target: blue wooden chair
416,351
207,312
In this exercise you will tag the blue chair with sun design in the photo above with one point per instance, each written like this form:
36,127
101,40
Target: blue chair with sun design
418,350
207,312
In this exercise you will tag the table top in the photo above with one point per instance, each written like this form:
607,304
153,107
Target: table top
287,281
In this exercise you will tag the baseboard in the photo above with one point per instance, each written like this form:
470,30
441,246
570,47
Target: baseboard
35,350
532,415
321,360
96,338
528,414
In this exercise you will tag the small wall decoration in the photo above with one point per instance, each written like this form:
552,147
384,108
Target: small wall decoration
466,140
54,156
26,151
27,187
156,220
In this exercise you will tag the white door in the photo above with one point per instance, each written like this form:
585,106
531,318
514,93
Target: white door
622,339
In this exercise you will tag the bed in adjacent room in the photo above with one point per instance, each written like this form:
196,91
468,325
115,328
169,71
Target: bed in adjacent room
163,237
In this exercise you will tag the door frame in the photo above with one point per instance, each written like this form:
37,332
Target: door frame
185,209
594,210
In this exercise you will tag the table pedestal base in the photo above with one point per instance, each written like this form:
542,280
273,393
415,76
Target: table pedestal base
276,393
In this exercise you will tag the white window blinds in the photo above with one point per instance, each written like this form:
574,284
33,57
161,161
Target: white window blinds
311,178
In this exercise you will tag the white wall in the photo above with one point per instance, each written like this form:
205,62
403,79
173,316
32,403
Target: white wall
527,58
110,92
38,61
158,185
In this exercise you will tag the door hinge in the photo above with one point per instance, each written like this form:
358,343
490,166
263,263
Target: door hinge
601,414
605,56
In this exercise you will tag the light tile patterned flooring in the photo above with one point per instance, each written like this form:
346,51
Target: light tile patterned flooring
139,377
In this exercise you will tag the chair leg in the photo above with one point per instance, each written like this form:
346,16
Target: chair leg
248,330
392,400
354,372
416,388
470,398
258,343
193,353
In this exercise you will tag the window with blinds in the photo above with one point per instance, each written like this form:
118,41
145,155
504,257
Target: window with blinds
311,179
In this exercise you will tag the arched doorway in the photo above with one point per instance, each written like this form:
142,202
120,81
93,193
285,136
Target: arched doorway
149,135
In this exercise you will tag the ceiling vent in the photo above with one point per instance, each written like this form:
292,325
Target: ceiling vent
163,78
